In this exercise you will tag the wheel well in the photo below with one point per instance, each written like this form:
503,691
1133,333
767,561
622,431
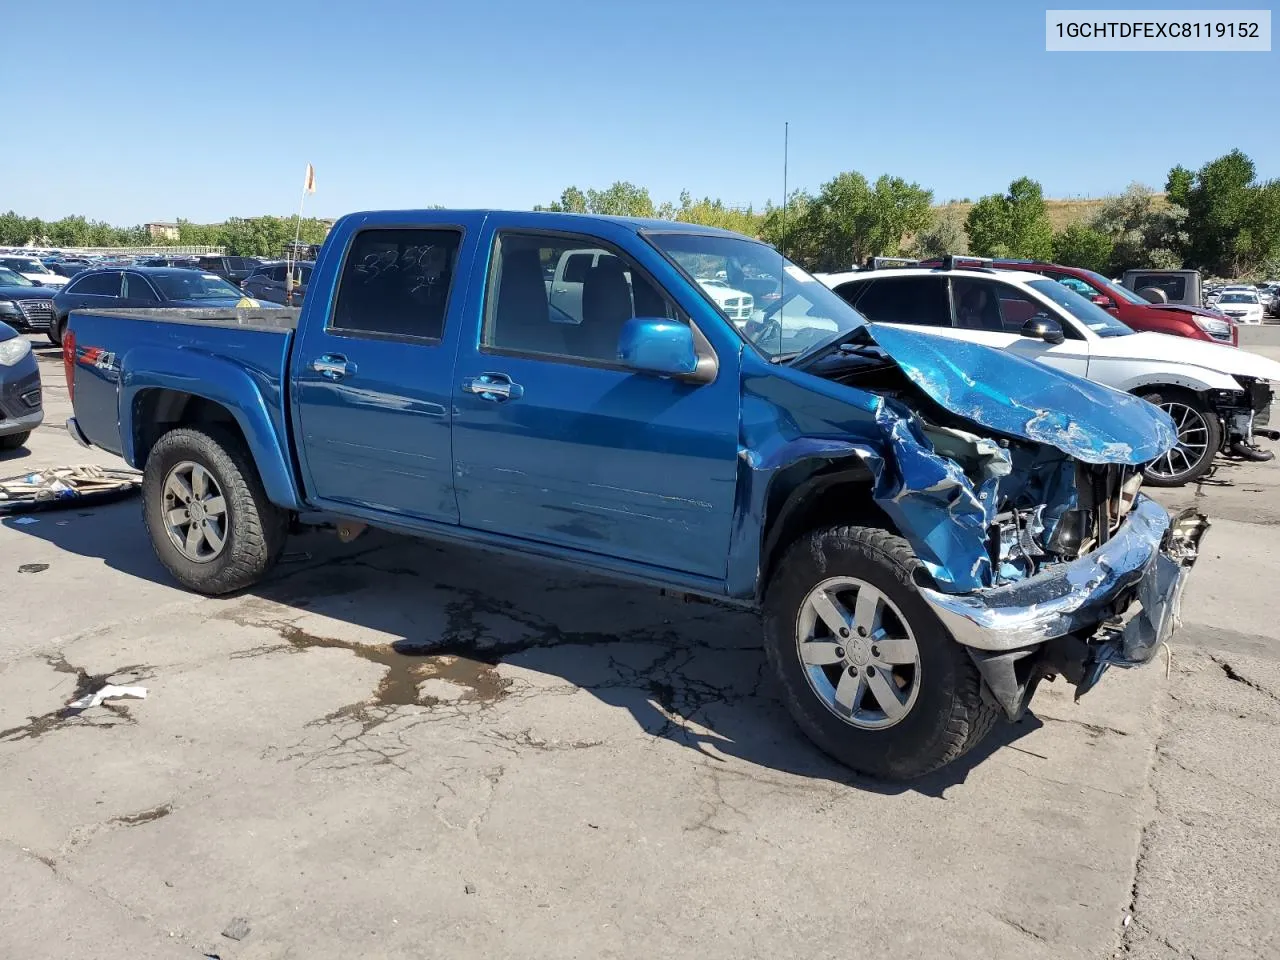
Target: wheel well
159,410
801,499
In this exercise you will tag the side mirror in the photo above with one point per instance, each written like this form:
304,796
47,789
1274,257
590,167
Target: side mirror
658,346
1044,327
1105,302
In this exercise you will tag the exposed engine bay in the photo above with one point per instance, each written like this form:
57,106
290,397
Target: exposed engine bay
1040,505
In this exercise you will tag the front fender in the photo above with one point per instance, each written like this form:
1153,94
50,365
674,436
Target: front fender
1197,379
218,381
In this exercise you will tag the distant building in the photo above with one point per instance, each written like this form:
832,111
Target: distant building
162,231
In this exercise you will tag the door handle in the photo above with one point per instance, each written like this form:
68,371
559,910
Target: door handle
493,386
333,366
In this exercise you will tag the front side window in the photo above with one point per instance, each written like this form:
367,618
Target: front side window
396,283
565,316
1085,311
137,288
1073,283
789,311
920,301
97,285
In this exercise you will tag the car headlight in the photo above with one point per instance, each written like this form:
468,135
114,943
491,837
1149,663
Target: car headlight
1214,328
9,309
11,351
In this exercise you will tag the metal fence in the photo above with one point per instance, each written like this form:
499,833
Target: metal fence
157,251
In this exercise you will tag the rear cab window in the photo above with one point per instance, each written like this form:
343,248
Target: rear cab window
395,283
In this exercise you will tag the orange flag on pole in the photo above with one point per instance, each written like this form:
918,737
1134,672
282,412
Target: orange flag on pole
309,185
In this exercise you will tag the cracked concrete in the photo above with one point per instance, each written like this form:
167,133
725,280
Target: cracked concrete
395,749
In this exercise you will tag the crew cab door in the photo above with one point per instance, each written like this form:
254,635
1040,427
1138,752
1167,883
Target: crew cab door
555,442
373,372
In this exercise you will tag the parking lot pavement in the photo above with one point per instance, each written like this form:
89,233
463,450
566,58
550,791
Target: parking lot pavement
397,749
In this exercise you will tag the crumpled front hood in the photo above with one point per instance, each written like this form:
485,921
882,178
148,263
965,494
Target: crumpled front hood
1023,398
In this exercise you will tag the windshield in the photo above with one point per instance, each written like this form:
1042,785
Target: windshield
10,279
194,286
23,265
1238,298
771,302
1090,314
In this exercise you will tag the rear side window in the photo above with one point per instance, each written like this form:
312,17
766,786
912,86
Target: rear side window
396,283
97,285
1175,287
920,301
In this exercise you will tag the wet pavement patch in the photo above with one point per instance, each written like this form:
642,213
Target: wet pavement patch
144,816
86,684
406,666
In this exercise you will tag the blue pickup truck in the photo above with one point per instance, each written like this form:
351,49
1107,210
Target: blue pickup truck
929,528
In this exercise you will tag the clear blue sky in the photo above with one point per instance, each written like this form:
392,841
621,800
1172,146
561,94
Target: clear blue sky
155,110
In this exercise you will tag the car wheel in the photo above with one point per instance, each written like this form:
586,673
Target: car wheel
54,333
14,440
865,667
206,512
1199,438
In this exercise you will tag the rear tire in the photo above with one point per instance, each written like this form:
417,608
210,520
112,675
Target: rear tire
54,333
943,712
1199,439
14,440
251,531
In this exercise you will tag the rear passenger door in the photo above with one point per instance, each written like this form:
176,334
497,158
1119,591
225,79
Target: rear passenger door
372,376
556,443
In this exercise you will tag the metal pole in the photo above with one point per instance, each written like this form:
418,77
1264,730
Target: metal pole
297,234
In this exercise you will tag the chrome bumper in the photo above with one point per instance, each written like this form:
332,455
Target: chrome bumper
1147,560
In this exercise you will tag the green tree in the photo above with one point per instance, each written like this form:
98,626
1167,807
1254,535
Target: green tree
785,227
1258,242
1144,230
1082,246
1177,185
572,200
989,226
1014,224
1218,207
945,235
850,220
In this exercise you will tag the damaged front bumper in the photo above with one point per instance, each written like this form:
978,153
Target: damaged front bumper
1091,600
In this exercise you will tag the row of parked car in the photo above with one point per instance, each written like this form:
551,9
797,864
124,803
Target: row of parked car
35,302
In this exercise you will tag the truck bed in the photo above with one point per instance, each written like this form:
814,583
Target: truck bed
121,353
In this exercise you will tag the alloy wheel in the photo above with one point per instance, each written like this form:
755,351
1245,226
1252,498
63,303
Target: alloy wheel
195,512
858,653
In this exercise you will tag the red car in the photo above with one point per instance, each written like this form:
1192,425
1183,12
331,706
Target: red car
1130,309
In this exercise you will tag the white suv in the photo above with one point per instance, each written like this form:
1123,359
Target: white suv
1218,396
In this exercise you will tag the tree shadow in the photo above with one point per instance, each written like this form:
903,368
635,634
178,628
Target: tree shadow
693,673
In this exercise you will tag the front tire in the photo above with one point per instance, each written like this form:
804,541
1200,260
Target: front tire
205,509
14,440
1199,439
54,333
866,668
